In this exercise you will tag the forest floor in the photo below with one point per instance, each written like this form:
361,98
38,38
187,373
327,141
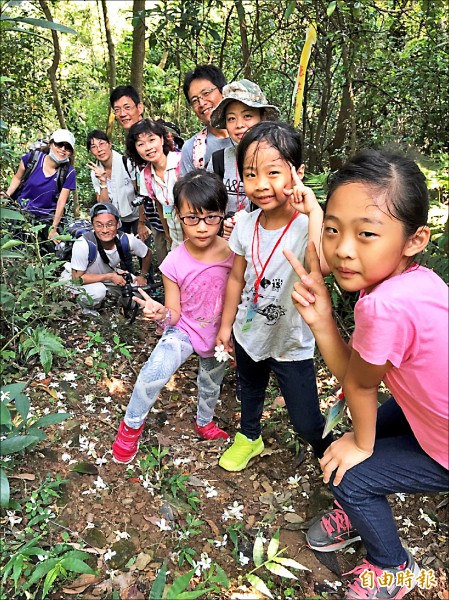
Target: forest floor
133,518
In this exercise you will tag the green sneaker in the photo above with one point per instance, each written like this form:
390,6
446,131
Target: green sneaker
240,453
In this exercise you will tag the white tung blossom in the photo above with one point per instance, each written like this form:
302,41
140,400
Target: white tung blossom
109,554
13,520
163,525
100,484
294,481
243,560
221,355
4,396
234,511
426,518
211,492
69,376
121,535
222,543
203,564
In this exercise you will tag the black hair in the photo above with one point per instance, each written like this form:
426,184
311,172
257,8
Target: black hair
124,90
210,72
281,136
145,126
202,190
397,180
97,134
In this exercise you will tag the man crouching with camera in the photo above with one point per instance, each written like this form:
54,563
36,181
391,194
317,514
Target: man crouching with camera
102,260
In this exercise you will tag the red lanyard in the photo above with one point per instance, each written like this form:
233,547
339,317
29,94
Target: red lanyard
260,275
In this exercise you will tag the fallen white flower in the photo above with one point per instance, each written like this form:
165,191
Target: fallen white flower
69,376
203,564
243,560
121,535
163,525
211,492
109,554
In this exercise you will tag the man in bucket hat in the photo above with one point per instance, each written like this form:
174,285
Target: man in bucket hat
242,106
102,258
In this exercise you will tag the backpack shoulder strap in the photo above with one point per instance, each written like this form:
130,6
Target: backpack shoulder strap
91,240
199,148
63,171
125,164
218,163
124,251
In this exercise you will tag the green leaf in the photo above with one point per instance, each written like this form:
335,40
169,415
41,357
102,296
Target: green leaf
10,244
16,444
258,550
259,585
331,7
11,215
289,10
194,594
41,569
289,562
278,569
49,580
158,586
76,565
46,358
179,585
13,389
17,570
41,23
220,577
52,419
5,415
22,403
273,545
85,468
4,489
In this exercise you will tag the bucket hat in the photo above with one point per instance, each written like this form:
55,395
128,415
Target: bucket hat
248,93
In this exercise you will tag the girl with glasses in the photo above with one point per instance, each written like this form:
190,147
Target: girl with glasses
195,276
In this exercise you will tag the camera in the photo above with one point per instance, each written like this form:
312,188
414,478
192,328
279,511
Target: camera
138,200
128,289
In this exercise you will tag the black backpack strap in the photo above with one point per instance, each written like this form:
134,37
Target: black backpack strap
63,171
29,169
218,163
125,164
124,251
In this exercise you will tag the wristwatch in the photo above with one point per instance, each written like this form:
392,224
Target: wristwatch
103,187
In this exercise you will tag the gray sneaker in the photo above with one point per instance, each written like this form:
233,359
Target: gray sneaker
332,532
375,583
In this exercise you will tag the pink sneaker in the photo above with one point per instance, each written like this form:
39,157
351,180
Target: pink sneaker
211,431
126,444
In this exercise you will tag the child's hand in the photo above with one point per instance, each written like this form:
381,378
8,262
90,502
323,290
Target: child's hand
310,295
343,454
224,339
151,309
302,198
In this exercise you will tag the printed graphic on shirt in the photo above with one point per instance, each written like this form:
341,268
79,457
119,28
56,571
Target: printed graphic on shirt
204,300
269,290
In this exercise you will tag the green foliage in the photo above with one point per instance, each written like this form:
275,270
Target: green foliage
274,563
19,431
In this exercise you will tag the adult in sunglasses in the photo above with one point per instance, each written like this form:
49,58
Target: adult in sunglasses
202,88
44,193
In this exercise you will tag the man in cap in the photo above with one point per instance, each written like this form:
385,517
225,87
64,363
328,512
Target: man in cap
105,271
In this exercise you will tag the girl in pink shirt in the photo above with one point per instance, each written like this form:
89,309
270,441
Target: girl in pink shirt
375,225
195,276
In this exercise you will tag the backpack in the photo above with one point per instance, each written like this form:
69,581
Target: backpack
83,227
62,172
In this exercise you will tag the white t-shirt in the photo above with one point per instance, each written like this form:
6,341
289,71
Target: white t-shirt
120,188
277,331
80,256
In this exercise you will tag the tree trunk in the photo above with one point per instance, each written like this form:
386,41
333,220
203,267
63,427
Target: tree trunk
54,86
244,38
112,70
54,65
138,52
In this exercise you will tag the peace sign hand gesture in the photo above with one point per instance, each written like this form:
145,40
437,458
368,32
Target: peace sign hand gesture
302,198
310,296
151,308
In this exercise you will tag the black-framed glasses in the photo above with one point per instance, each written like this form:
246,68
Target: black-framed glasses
209,219
203,96
64,145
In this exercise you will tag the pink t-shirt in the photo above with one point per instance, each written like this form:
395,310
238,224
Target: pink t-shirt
405,320
202,288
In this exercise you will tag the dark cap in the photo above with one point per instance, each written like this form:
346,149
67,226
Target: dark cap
104,208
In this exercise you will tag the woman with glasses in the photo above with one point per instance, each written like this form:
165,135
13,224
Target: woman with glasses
42,193
114,179
202,89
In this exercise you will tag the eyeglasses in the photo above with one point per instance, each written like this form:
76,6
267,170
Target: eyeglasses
98,145
209,219
108,225
203,96
125,108
63,145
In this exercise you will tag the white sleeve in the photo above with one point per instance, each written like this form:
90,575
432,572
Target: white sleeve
136,246
95,182
80,255
142,185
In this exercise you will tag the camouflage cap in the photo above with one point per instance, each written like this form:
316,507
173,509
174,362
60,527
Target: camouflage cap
246,92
